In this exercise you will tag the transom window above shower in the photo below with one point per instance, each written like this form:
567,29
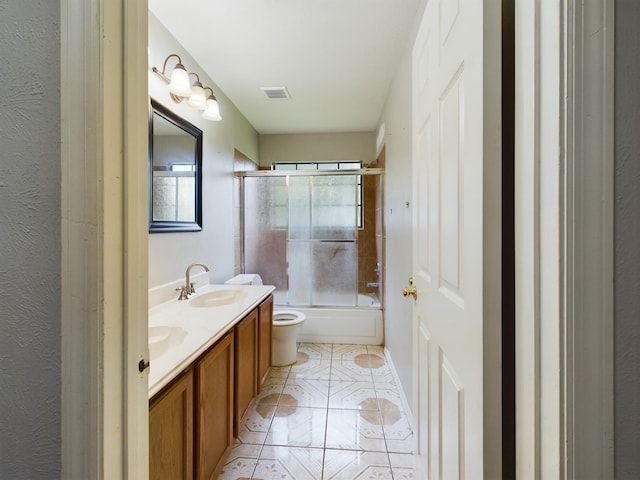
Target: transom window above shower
344,165
351,165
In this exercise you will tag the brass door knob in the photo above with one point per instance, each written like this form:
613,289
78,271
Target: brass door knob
411,290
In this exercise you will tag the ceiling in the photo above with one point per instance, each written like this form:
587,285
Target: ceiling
335,57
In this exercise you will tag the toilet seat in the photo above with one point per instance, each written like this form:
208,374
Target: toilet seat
283,318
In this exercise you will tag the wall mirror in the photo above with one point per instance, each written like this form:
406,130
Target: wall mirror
175,172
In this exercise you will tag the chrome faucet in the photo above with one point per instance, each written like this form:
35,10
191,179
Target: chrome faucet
189,288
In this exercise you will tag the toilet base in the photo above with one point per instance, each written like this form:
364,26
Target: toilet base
285,350
286,325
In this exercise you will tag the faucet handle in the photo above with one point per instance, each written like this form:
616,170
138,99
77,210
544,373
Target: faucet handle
183,293
192,287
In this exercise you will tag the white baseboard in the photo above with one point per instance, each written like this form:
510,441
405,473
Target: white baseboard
419,471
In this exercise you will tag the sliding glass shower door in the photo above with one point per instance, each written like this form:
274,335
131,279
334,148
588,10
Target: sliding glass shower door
301,235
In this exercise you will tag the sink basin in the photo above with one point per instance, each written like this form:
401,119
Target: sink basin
218,298
161,338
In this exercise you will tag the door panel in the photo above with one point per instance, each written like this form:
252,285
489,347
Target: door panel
452,419
451,201
423,386
423,225
453,166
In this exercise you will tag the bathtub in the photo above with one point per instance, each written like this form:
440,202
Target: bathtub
360,325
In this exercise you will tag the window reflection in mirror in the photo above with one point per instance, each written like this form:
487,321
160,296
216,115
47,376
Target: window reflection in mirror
175,151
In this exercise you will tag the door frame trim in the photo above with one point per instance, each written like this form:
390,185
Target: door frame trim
589,213
82,326
564,239
104,240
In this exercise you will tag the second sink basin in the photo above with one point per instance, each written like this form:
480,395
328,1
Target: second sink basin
218,298
162,337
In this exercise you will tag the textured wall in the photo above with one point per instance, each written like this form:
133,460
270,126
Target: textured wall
627,235
30,239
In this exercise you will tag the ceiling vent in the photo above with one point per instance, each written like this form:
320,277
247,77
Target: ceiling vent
276,93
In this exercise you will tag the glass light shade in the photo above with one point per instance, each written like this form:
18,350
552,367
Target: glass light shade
179,84
212,112
198,97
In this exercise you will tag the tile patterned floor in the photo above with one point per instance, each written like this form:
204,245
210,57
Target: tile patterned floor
334,415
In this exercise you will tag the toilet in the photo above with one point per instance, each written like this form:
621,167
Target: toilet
286,325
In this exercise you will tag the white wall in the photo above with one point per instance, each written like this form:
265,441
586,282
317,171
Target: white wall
397,217
359,146
171,253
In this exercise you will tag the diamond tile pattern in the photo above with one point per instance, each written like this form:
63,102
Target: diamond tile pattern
336,414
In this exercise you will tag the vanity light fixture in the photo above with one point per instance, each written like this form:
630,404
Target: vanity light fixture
212,111
180,87
198,97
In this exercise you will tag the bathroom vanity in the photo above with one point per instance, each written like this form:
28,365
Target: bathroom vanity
203,382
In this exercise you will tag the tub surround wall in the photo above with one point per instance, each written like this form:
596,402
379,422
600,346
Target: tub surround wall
170,253
370,237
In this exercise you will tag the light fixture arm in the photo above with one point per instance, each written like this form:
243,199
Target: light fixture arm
162,73
212,95
197,77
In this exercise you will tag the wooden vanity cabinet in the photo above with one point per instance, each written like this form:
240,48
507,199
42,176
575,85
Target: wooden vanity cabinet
171,431
193,420
214,380
246,362
265,331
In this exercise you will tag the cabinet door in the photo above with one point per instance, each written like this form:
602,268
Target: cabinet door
246,375
214,392
265,330
171,432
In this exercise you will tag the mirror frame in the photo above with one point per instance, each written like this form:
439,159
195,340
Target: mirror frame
176,226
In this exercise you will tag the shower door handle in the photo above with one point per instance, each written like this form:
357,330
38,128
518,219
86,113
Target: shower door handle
411,290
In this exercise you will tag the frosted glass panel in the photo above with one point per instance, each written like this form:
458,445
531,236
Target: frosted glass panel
299,207
299,256
334,207
334,273
265,229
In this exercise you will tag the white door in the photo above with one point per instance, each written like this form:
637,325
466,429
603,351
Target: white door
456,238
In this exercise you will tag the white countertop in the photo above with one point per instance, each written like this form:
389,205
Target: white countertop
198,327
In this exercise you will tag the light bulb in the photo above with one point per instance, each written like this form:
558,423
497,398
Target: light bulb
198,97
179,84
212,112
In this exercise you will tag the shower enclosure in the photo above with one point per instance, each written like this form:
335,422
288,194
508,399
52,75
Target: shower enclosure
315,235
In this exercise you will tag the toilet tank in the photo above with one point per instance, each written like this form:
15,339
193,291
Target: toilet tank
245,279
